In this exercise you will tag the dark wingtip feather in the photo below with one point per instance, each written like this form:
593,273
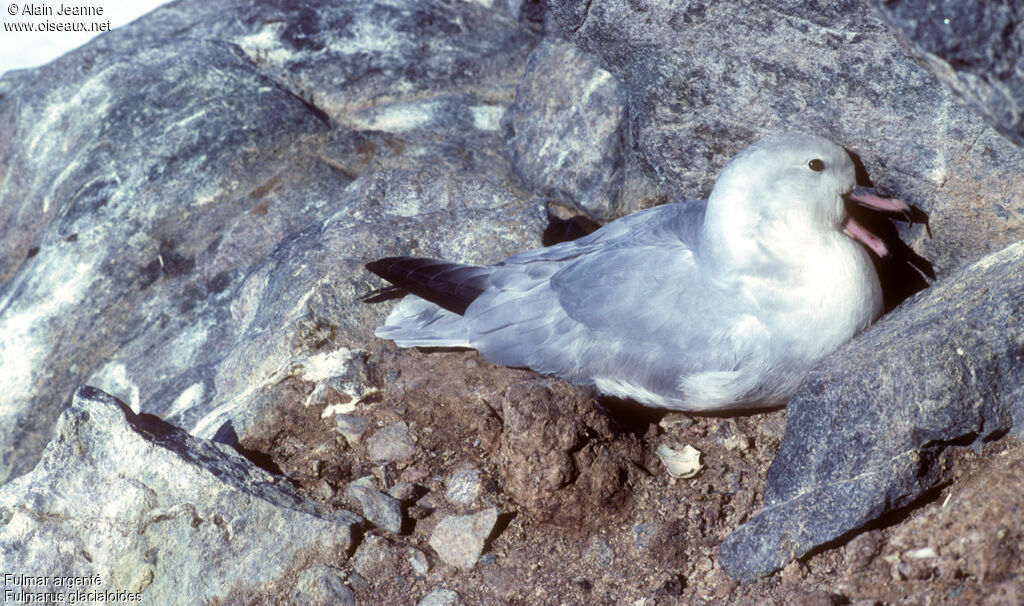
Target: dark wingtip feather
452,286
382,294
380,266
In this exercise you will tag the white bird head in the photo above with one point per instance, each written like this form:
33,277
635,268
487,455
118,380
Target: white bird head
781,195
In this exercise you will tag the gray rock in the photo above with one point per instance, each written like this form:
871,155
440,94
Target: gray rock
358,583
155,511
320,585
339,56
187,228
375,558
106,192
459,540
391,443
368,481
352,427
977,49
464,487
380,509
340,390
406,492
566,129
704,79
418,560
871,429
440,597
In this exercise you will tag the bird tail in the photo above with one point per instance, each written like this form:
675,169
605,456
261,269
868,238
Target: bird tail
418,323
452,286
432,318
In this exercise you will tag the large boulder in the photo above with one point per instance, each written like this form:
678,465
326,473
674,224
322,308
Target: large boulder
178,223
567,135
703,79
148,513
977,49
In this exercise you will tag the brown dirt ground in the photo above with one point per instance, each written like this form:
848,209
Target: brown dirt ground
590,515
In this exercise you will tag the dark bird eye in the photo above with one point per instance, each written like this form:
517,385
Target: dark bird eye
816,165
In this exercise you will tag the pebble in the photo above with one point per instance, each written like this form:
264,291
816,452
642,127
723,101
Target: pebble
464,487
675,421
358,583
922,553
374,558
440,597
405,492
419,561
352,427
459,540
391,443
773,428
320,585
737,442
368,481
502,580
380,509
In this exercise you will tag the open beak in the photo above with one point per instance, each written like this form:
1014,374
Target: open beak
868,198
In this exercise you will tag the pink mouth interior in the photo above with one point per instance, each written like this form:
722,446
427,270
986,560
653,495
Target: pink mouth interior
861,234
866,197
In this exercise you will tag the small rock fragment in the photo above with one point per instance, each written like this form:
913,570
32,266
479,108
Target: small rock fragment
922,553
405,492
351,427
772,428
419,561
380,509
675,421
358,583
464,487
737,442
321,585
374,558
459,540
440,597
391,443
502,580
643,535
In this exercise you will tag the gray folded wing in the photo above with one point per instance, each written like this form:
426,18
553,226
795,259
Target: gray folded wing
626,308
620,308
